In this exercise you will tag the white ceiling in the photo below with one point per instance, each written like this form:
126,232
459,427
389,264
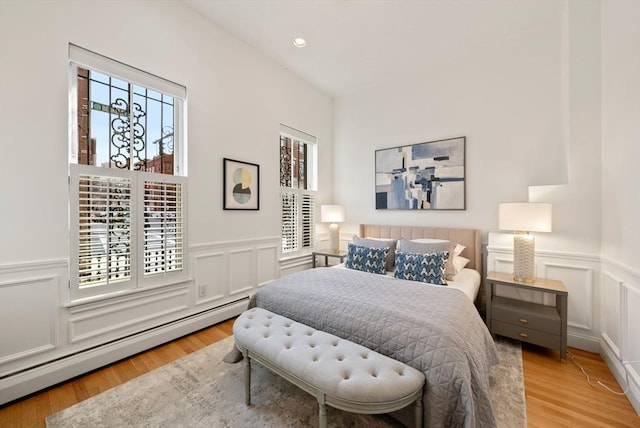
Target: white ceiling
353,44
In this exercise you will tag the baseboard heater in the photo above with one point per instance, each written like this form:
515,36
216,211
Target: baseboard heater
110,351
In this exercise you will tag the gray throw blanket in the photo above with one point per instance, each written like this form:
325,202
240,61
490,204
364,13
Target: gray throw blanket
435,329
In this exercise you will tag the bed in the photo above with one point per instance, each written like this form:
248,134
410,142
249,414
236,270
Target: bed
434,328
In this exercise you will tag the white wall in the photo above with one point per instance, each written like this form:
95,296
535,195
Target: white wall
620,294
512,101
529,107
237,99
620,132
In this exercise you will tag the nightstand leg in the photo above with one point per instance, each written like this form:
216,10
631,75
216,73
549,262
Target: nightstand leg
487,309
562,308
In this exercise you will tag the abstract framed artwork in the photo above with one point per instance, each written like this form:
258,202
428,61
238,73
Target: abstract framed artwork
241,185
424,176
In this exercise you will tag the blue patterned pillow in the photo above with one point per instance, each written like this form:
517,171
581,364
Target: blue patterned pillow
366,259
423,267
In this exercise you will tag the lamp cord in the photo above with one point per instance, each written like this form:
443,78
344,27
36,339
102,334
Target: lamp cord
599,382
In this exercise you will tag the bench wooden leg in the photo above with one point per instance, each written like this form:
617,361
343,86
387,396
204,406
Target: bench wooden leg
322,411
247,379
419,411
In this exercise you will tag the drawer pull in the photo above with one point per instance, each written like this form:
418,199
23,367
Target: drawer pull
523,321
524,335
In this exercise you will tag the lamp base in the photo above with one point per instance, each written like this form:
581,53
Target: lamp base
524,251
334,238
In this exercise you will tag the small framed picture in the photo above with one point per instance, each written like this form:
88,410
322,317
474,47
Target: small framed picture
241,185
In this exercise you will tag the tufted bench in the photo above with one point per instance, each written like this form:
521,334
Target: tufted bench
338,372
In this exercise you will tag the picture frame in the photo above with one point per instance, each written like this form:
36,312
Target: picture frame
241,184
423,176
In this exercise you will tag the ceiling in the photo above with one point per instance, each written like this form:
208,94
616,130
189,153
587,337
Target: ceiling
355,44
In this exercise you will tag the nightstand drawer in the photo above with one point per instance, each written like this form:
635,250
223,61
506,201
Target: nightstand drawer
527,335
526,315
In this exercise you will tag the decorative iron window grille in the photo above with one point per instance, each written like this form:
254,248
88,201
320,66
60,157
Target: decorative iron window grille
122,125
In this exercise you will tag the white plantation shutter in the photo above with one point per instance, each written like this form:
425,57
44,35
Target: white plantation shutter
103,247
109,253
298,220
308,219
163,226
289,222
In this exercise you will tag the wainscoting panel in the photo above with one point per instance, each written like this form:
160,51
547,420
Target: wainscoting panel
631,323
610,303
242,271
140,312
578,279
30,327
211,277
266,269
33,327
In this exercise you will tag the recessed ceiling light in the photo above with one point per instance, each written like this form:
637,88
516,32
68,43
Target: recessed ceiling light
299,42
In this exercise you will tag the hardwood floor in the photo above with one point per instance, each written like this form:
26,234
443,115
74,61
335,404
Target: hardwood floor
557,393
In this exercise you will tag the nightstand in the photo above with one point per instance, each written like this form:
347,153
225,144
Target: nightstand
526,321
327,253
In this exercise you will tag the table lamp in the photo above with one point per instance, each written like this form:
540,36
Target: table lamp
333,214
522,218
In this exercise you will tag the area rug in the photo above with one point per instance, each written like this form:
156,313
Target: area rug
200,390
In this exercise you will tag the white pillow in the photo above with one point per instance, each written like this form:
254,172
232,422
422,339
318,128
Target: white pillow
459,263
459,249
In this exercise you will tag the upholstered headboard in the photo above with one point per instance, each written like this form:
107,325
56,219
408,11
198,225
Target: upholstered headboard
470,238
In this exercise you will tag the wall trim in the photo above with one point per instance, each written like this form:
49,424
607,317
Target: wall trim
241,242
626,377
565,255
620,266
587,343
34,265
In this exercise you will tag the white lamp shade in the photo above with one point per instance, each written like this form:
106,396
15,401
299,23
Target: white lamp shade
332,213
525,217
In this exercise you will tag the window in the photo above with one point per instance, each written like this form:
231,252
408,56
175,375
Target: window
297,189
127,178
